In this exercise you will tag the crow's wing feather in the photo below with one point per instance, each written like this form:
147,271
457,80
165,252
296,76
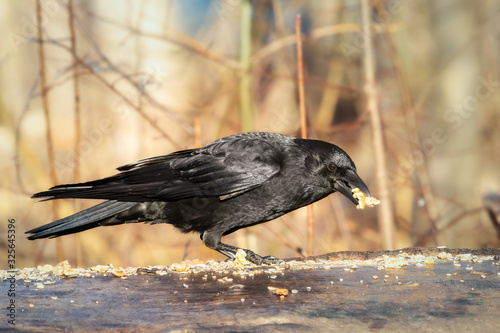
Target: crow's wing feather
222,168
228,166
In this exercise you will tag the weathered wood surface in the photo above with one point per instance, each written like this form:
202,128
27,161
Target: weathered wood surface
411,299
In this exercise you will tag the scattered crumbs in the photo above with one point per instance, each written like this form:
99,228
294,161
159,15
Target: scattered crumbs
179,267
444,256
281,292
429,261
240,259
237,286
118,272
229,271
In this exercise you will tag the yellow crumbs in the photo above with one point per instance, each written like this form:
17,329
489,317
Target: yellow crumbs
363,200
240,260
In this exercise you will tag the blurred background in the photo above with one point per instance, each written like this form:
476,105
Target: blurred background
112,82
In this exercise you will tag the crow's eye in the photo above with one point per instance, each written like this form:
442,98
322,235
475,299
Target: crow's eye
332,167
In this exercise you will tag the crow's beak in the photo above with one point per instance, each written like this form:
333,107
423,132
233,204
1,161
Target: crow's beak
351,178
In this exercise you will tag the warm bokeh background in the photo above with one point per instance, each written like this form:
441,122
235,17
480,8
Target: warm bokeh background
158,76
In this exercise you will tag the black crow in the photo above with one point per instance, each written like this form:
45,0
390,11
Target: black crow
232,183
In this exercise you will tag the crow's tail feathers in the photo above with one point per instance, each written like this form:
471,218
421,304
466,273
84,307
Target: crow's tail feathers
92,217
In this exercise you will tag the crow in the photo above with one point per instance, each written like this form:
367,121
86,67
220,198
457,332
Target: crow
232,183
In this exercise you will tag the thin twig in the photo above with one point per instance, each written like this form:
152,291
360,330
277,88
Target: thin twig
245,55
76,95
303,125
18,145
300,79
385,216
178,38
340,218
285,41
271,227
197,131
424,239
411,123
46,112
185,125
111,87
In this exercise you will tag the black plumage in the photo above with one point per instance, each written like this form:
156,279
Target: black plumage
232,183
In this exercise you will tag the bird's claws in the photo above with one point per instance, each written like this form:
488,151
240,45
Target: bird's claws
272,260
258,260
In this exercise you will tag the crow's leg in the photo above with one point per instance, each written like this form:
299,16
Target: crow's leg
212,241
251,256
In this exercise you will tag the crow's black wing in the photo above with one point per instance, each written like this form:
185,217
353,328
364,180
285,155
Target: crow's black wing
224,168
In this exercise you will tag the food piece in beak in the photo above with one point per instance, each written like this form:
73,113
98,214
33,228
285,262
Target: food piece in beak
364,200
351,178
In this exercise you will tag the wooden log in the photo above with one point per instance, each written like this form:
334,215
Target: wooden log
326,294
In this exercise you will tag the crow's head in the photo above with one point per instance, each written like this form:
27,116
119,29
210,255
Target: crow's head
342,171
332,163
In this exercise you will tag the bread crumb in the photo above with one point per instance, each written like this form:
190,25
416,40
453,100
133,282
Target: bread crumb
281,292
363,200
